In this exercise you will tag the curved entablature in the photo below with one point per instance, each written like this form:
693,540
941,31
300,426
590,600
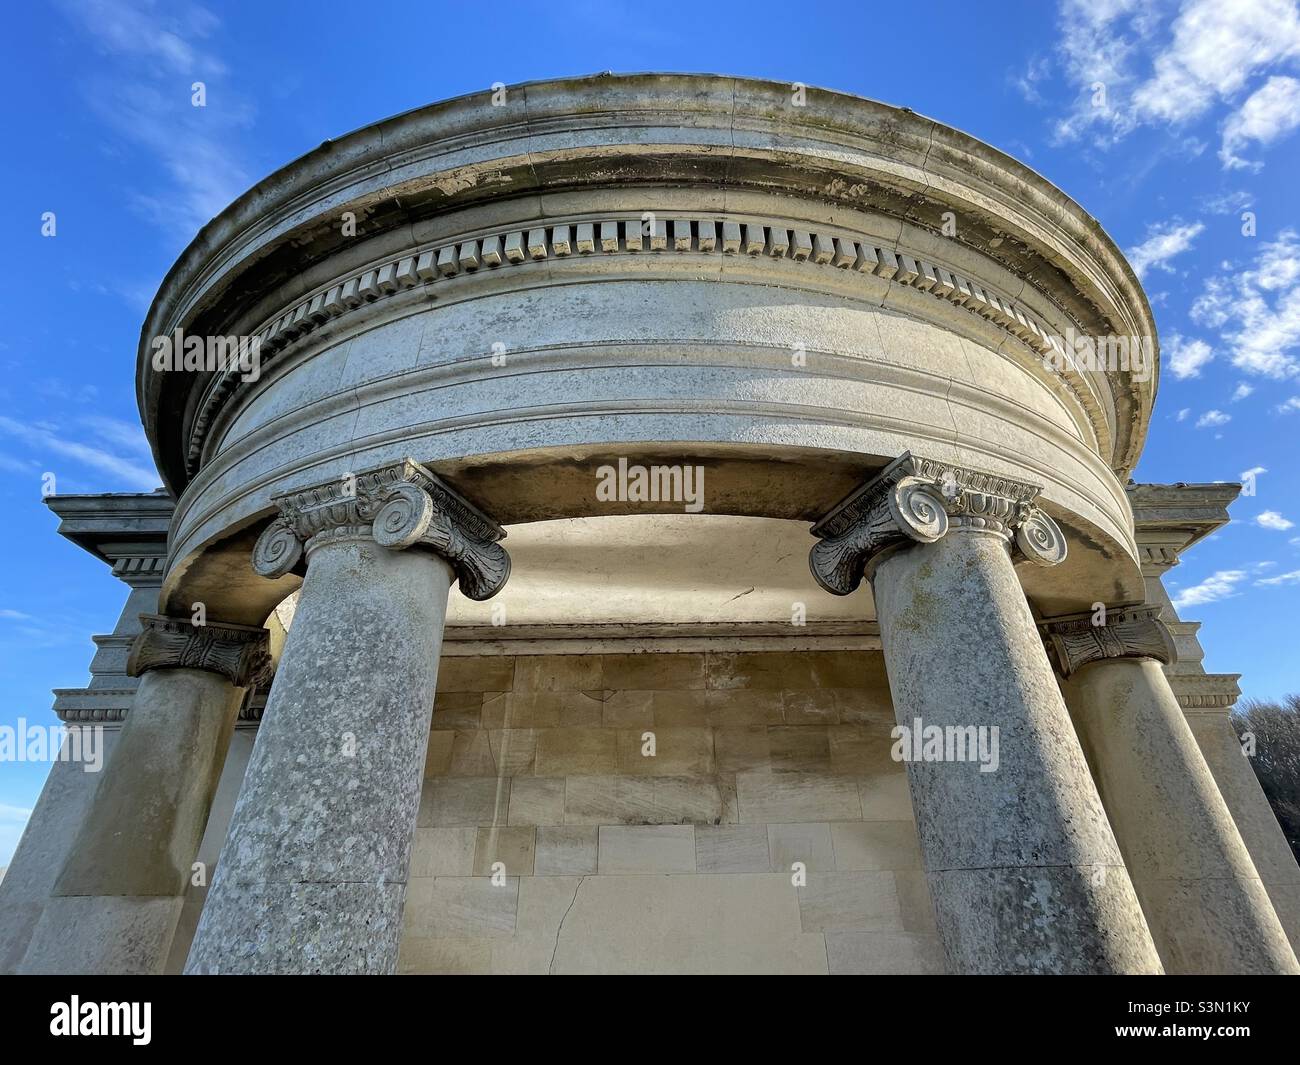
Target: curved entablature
426,271
439,193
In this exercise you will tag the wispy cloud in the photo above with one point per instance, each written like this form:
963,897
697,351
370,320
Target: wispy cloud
1132,66
143,31
47,439
1212,419
1186,357
1163,242
154,56
1219,585
1257,310
1271,519
1282,578
1270,113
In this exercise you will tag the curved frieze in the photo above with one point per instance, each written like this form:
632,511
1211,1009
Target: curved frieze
638,235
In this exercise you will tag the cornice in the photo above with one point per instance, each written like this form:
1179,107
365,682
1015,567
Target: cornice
717,134
126,530
1207,691
1168,519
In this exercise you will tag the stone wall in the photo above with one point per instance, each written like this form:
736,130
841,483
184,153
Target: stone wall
680,862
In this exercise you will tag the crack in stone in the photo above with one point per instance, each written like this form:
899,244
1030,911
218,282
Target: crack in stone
550,969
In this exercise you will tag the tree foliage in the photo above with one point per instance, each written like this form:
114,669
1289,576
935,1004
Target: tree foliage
1273,729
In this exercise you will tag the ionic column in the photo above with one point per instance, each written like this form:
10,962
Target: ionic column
312,877
116,901
1204,901
1023,869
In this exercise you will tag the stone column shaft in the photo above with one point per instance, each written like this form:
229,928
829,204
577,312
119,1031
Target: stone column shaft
115,904
1204,901
1023,869
1252,814
312,876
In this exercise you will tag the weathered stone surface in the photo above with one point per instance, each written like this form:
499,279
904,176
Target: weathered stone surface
47,840
1203,899
328,807
1252,815
134,852
1023,867
127,935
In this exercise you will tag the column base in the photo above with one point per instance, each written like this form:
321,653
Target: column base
303,929
1040,921
126,935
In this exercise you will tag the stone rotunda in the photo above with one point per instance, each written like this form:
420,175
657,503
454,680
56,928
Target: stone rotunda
828,634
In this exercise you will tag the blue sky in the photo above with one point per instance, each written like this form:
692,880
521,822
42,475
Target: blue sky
1166,120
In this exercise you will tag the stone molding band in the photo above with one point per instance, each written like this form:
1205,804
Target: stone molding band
917,500
1123,632
237,652
709,236
399,506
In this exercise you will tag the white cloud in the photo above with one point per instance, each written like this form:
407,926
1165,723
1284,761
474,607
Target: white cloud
46,438
1227,202
1184,414
1270,112
1254,471
1292,404
1164,241
1036,70
1282,578
1212,418
1215,49
1271,519
1186,357
1220,585
144,98
1257,310
140,31
127,435
1168,73
1242,391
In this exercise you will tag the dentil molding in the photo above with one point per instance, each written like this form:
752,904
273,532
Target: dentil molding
637,235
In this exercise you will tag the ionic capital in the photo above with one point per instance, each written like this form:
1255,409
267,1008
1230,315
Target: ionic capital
916,500
1119,632
237,652
399,506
